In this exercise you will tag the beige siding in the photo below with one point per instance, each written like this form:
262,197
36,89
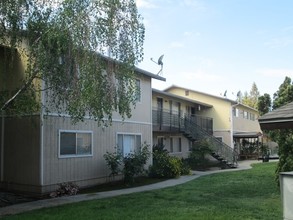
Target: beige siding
185,143
22,153
242,124
84,170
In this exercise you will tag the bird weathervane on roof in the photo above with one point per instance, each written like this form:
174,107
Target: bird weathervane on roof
160,62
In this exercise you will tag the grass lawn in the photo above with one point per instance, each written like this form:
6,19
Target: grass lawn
250,194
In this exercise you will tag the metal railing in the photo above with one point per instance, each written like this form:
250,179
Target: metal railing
195,127
167,120
218,147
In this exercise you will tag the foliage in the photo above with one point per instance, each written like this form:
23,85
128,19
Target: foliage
283,137
133,164
264,104
113,161
25,102
65,189
166,166
66,43
197,155
185,168
249,148
285,93
251,99
264,150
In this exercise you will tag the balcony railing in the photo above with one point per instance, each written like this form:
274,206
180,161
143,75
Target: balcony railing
164,120
194,127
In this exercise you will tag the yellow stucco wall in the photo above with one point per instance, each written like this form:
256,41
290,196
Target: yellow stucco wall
220,112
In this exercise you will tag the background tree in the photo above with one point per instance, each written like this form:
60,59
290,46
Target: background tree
251,99
66,43
285,93
264,104
284,137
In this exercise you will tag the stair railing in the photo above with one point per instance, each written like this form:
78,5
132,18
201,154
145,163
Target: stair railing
196,132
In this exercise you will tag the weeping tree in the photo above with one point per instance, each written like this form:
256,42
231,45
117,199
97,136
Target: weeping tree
65,45
284,137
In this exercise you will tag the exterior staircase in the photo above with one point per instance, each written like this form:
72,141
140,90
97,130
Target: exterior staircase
220,151
195,128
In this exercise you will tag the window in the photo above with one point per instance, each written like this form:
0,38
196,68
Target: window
252,116
160,141
128,143
75,143
245,114
138,91
236,112
175,144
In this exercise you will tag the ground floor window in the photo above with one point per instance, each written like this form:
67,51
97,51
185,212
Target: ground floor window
175,144
128,143
161,141
75,143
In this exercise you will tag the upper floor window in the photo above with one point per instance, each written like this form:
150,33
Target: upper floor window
252,116
75,143
245,114
236,112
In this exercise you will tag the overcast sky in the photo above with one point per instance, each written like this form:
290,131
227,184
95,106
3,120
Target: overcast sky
217,45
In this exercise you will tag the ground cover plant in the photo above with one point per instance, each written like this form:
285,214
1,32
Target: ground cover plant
249,194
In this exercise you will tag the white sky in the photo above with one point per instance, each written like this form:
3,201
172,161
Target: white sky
217,45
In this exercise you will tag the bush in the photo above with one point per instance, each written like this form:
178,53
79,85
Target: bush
185,167
134,164
113,161
65,189
166,166
197,155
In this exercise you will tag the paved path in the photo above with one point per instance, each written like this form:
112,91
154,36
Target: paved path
28,206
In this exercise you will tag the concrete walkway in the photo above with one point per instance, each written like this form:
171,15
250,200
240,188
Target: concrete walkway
29,206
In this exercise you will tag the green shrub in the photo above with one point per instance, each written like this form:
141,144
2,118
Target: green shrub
113,161
166,166
134,164
185,167
197,155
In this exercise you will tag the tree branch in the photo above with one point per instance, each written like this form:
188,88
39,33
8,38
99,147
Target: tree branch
22,89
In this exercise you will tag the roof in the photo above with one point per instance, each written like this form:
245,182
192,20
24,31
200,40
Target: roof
136,69
247,134
181,98
146,73
279,118
233,102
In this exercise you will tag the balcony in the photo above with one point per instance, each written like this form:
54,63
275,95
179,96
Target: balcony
166,121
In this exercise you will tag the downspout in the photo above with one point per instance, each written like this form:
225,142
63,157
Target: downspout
2,147
232,126
42,137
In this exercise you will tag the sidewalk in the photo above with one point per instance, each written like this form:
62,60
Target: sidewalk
29,206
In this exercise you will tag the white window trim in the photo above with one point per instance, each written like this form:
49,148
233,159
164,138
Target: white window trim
75,131
126,133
